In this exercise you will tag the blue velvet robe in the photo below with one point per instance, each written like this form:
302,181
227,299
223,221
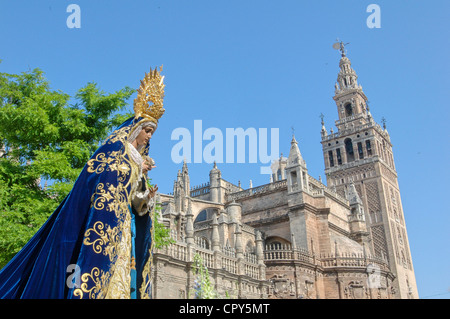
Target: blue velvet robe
93,245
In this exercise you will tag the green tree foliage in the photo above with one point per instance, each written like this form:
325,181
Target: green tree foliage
45,136
162,233
203,288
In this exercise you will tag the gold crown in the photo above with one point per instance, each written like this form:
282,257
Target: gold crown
150,90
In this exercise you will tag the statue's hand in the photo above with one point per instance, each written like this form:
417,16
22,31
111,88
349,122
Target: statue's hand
152,191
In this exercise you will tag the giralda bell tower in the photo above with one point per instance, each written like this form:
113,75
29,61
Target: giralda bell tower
360,152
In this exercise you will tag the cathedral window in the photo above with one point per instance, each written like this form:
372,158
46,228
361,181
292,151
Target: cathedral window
330,156
338,156
349,150
201,216
348,109
368,148
360,151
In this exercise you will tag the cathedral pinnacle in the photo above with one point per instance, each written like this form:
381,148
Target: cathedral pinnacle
295,157
215,169
323,131
353,196
383,121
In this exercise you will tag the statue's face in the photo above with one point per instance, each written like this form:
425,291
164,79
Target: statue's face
144,136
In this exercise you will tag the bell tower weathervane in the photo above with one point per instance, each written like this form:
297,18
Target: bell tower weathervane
339,45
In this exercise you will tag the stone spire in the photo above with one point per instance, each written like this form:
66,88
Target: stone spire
353,196
323,131
295,157
296,171
383,122
185,168
177,194
357,219
356,204
185,178
385,131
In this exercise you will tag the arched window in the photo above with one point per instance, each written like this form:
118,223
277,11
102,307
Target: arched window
348,109
360,151
250,248
338,156
368,148
201,216
331,159
349,150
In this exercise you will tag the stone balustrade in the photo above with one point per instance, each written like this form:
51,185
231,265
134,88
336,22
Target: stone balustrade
287,253
257,190
225,257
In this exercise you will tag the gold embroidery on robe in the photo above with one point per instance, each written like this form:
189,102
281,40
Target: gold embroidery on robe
114,242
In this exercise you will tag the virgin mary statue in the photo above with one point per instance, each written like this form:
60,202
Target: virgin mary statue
97,243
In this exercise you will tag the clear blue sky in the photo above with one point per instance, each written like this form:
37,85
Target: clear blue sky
265,64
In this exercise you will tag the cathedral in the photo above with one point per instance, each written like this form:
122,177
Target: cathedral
297,237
